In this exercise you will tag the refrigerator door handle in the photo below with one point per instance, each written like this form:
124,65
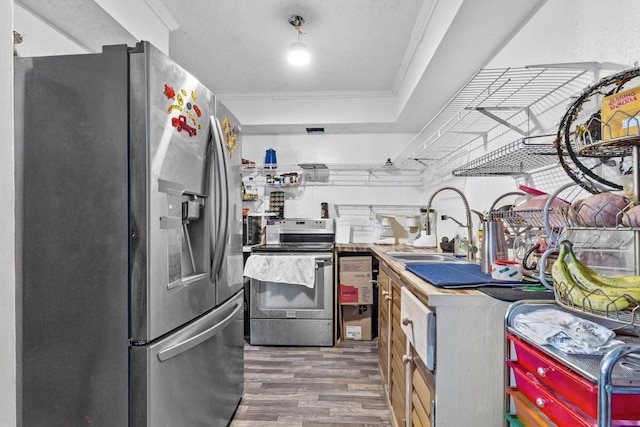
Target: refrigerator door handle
203,336
225,192
218,167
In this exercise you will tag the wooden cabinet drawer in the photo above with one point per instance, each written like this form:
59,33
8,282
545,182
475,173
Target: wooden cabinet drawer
418,324
572,386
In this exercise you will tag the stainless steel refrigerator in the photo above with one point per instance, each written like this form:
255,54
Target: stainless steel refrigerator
130,243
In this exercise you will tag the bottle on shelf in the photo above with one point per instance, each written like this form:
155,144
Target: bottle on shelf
324,210
250,189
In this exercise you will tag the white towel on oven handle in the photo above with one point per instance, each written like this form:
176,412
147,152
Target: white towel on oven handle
294,269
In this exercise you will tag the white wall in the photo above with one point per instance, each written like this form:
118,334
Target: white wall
362,149
570,31
344,148
349,188
562,32
139,20
7,224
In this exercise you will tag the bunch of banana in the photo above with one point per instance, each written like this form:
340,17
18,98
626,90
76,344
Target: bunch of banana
586,288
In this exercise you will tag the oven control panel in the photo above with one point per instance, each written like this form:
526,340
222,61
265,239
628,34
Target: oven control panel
311,226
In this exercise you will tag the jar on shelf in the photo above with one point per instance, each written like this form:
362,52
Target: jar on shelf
324,210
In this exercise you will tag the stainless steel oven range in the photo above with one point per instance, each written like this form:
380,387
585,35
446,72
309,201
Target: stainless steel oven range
287,312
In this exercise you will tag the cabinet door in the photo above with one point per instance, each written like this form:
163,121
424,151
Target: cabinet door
397,380
384,327
420,392
418,324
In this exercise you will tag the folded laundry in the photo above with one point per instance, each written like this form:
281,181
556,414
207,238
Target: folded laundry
566,332
294,269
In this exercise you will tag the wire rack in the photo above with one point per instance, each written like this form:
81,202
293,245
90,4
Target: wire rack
588,139
623,309
526,217
372,167
370,211
367,219
524,155
494,100
335,174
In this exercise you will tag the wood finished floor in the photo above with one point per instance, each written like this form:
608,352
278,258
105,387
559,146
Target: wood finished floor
312,387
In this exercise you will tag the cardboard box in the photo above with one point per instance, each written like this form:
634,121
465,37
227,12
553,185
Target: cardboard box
621,114
354,293
355,264
356,322
355,281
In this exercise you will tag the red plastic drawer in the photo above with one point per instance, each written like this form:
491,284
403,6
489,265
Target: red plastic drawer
527,412
556,408
572,386
552,405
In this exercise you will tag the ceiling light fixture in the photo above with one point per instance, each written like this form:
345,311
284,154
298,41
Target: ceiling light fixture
298,52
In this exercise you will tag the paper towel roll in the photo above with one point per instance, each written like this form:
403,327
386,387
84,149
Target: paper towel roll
343,230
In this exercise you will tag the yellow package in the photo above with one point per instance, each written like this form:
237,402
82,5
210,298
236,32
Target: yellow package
621,114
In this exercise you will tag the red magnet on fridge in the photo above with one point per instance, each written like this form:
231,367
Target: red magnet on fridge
169,92
180,123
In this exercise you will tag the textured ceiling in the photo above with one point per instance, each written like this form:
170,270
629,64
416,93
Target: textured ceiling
356,45
377,65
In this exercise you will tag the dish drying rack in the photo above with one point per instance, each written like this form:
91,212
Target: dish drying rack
581,150
591,139
565,222
612,238
615,234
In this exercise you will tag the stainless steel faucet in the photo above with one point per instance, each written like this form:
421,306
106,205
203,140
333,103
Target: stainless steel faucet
446,217
471,249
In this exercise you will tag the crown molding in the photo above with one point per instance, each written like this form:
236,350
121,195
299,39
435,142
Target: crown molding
417,35
307,95
163,14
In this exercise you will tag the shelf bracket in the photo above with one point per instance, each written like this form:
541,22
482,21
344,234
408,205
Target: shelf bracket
486,112
483,135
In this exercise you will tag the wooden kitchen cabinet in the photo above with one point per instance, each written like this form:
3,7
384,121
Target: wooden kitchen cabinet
391,343
398,376
418,324
420,392
384,327
459,381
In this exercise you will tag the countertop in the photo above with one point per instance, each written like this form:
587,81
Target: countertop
435,295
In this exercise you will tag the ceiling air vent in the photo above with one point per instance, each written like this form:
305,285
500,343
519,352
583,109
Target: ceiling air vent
315,131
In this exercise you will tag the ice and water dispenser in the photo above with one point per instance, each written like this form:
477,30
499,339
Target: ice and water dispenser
186,230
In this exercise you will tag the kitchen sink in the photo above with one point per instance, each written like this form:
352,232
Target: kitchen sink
411,257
